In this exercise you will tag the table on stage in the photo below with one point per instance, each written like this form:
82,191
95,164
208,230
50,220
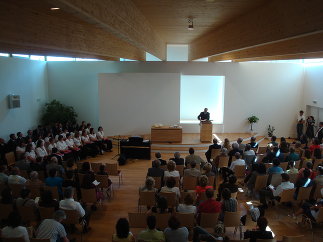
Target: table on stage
166,134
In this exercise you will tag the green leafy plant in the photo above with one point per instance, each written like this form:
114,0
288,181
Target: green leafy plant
253,119
56,112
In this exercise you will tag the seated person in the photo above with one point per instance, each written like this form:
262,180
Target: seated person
68,203
260,232
156,171
202,187
210,205
229,204
253,142
25,200
200,234
207,170
14,178
171,172
304,181
177,158
319,178
54,181
234,150
208,153
284,146
52,228
170,187
292,155
103,172
13,228
6,196
187,206
273,141
107,143
53,164
192,171
69,180
151,233
241,145
192,157
275,169
237,162
292,169
158,157
161,206
174,231
273,193
34,180
3,174
231,185
309,166
123,233
149,185
259,169
224,153
46,200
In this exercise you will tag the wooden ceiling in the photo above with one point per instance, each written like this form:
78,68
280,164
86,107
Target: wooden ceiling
110,29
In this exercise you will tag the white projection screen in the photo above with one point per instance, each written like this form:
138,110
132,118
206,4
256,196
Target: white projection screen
130,103
199,92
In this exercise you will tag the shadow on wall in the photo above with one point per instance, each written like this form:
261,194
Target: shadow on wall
4,110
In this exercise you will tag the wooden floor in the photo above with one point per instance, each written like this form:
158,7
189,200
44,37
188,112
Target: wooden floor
126,197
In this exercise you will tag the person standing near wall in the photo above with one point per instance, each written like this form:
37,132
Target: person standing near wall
300,124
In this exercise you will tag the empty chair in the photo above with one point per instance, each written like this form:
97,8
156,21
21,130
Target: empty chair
209,220
242,240
287,195
232,219
317,192
186,219
10,158
293,177
89,195
296,238
223,161
137,220
146,199
211,180
215,153
240,171
113,170
189,182
261,182
162,220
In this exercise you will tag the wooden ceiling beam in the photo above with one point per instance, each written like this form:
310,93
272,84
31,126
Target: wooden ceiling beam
299,46
23,24
285,57
121,18
270,23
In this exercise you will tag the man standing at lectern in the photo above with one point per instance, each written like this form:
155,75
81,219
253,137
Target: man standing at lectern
204,115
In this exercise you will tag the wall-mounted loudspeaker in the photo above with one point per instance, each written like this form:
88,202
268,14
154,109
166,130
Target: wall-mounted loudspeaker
14,101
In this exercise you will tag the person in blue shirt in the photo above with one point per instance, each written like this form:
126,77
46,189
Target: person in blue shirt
292,155
54,181
275,169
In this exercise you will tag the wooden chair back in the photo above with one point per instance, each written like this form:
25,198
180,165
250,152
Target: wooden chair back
209,220
72,217
89,195
162,220
240,171
186,219
266,240
284,165
24,174
296,238
54,191
46,213
232,219
180,169
11,159
95,166
293,177
34,190
297,163
79,165
318,162
113,169
234,195
215,153
319,218
27,214
211,180
5,210
304,193
158,182
189,182
147,199
137,220
223,161
287,195
15,189
39,240
317,192
261,182
170,197
259,157
276,180
103,179
184,193
261,150
21,239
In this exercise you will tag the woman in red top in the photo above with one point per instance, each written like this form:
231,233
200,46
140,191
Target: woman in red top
203,186
315,145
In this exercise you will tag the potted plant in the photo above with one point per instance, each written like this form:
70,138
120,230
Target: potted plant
56,112
253,119
270,131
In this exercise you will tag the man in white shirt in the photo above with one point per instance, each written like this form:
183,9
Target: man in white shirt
273,193
14,178
237,162
52,228
68,203
300,123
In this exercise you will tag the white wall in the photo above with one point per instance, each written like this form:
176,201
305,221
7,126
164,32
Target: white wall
130,103
313,86
271,91
28,79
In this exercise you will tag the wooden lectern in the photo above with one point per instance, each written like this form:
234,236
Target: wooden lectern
206,131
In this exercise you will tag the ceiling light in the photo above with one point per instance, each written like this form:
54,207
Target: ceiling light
53,9
190,24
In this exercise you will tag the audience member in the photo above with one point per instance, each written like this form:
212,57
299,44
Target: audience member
241,145
304,181
227,144
203,186
231,185
171,172
319,178
13,228
158,157
275,169
149,185
208,153
156,171
34,180
151,233
123,233
207,170
174,232
6,196
177,159
25,200
52,228
46,200
14,178
210,205
192,171
170,187
253,142
54,181
260,232
292,155
3,174
187,206
192,157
